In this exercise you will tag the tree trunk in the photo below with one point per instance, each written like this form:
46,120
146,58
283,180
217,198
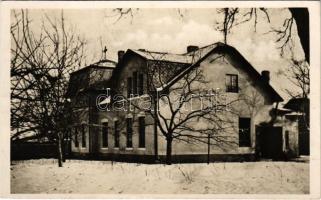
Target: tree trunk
169,150
59,151
63,148
301,16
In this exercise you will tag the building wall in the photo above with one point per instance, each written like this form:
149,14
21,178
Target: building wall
81,116
251,101
100,116
290,126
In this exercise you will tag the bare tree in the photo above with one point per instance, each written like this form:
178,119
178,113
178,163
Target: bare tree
182,106
299,74
40,66
236,16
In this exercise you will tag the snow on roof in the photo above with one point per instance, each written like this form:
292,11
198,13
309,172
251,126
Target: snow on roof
105,63
164,56
188,58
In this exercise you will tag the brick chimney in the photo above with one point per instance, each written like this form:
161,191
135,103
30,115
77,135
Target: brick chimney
191,48
120,55
266,75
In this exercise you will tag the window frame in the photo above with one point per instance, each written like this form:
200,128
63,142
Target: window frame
83,136
129,132
230,87
76,137
135,81
140,84
116,134
129,86
104,131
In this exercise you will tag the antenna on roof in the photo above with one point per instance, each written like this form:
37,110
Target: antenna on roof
105,53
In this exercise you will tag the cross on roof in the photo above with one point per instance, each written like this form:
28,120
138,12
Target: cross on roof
105,52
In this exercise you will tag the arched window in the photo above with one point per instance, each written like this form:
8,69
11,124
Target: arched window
287,143
104,131
129,130
116,129
76,137
83,135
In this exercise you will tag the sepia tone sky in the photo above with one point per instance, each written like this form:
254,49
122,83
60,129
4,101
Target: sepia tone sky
171,30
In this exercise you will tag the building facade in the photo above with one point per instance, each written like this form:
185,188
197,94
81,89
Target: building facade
110,123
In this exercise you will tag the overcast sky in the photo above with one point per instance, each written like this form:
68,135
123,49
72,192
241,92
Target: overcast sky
171,30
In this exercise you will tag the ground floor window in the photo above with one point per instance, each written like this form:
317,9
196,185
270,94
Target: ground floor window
76,138
245,132
116,127
141,127
287,144
105,134
129,141
83,135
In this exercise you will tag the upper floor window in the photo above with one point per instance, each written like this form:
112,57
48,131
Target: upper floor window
129,87
141,84
231,82
135,79
135,84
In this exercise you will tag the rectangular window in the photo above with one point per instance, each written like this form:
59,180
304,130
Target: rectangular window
116,134
231,82
135,83
76,137
129,122
141,122
287,144
141,84
129,87
105,134
83,135
245,132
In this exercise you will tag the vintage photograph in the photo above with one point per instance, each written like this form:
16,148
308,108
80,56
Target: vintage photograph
160,100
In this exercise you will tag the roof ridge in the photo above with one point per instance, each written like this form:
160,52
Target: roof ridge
180,54
158,52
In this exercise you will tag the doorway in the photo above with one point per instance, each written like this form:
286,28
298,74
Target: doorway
270,142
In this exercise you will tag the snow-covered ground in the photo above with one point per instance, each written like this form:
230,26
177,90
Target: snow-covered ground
105,177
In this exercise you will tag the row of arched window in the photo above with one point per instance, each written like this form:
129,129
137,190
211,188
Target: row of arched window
129,132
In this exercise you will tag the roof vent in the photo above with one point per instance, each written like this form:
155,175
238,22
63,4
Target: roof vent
141,49
191,48
120,55
265,76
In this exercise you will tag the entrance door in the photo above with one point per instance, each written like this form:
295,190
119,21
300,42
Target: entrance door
271,142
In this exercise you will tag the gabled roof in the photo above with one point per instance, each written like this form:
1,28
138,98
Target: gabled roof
194,58
299,104
91,76
163,56
186,58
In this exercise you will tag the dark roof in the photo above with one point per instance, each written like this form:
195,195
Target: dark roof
90,77
297,104
186,58
102,64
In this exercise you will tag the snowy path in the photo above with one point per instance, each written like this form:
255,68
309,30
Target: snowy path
103,177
